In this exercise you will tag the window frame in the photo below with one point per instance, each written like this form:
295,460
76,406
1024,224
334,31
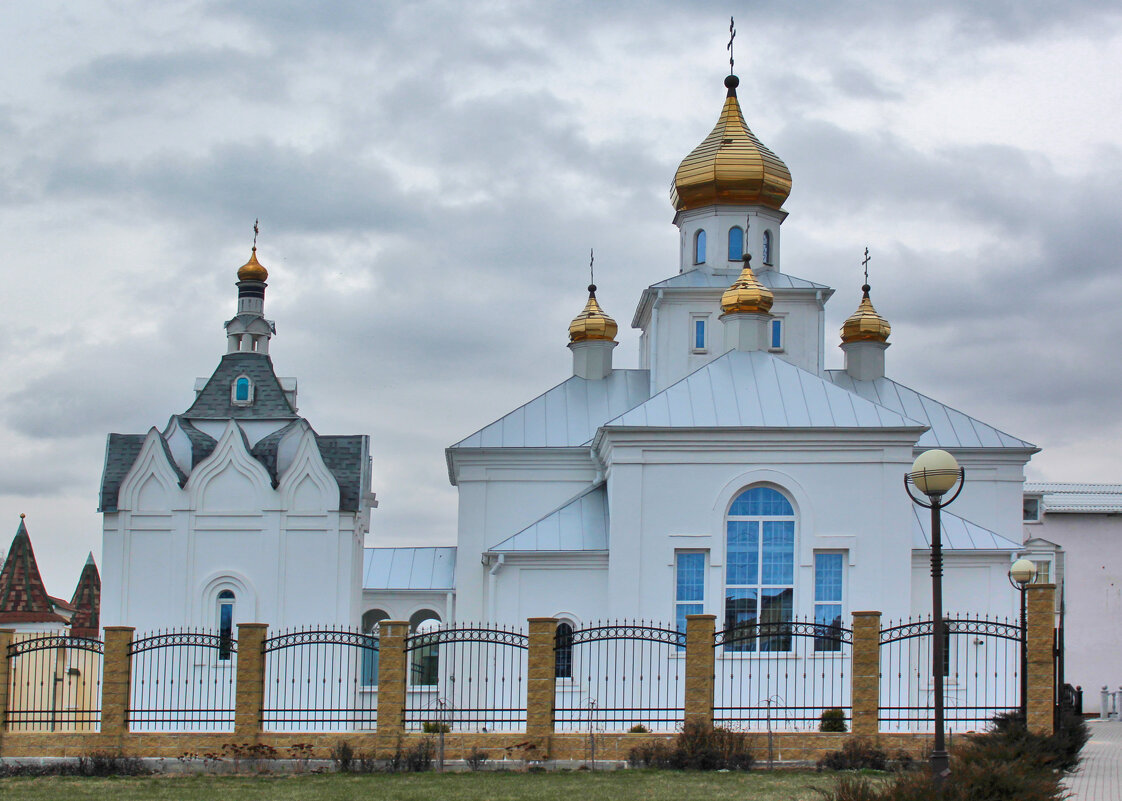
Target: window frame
840,603
704,320
226,600
740,256
699,246
697,605
248,401
781,319
767,248
1039,501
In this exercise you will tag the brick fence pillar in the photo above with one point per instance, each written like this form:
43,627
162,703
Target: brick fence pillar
541,686
700,668
1041,660
392,675
5,682
116,680
249,689
865,675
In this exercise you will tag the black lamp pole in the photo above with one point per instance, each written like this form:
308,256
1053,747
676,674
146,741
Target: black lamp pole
940,762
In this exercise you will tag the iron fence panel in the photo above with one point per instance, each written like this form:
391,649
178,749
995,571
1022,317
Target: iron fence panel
55,683
182,680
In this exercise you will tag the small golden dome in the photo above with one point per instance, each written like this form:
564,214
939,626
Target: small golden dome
253,270
592,323
747,295
731,166
865,324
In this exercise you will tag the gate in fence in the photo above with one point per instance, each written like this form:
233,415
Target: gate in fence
613,676
467,678
778,676
55,684
320,680
981,669
182,680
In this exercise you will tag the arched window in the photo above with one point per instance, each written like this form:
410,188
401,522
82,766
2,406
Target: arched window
242,391
736,243
225,623
699,247
370,624
760,567
767,247
424,667
563,651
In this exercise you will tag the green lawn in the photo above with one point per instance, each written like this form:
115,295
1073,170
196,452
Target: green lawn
575,786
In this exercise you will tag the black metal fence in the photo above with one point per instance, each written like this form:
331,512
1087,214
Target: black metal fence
55,684
778,676
620,675
321,679
981,669
182,680
468,678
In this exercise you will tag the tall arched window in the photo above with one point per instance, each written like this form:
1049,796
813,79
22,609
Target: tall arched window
767,247
225,623
424,666
370,622
760,566
699,247
241,393
563,651
736,243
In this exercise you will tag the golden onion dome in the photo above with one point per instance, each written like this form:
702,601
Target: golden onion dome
731,166
592,323
865,324
747,295
253,270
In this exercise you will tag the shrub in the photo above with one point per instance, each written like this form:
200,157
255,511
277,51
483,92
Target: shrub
1008,739
832,720
343,755
655,754
856,753
100,763
435,727
697,747
419,758
476,758
638,728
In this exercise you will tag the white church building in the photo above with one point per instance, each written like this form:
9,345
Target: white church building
728,472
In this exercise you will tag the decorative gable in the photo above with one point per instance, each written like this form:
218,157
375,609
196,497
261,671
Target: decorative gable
86,621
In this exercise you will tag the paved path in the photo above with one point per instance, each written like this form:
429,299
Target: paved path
1099,777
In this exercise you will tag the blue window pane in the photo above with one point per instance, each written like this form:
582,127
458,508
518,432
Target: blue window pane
699,248
827,634
686,609
736,244
778,560
762,501
828,614
742,556
699,334
691,577
777,333
828,577
241,392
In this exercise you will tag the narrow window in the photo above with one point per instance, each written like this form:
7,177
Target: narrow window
767,247
225,624
563,651
689,595
241,390
1043,572
760,569
827,601
698,333
370,624
424,667
776,334
736,243
1031,510
699,247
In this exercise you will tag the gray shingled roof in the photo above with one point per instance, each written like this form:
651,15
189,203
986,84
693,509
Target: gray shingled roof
121,451
202,443
347,457
269,401
265,451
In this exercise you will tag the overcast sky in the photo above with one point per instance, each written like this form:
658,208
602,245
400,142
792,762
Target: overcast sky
430,177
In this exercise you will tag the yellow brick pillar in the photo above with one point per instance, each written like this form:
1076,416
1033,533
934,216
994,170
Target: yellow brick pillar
116,680
249,690
5,682
392,674
865,675
541,686
700,668
1041,661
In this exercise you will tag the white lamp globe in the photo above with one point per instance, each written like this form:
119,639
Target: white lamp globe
1023,571
934,472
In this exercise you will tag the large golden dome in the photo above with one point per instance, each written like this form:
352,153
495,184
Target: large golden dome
253,270
731,166
865,324
592,323
747,295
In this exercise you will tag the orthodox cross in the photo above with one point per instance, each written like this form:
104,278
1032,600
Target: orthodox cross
591,261
732,35
256,231
865,263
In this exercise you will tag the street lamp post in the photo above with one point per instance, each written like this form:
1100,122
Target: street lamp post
934,473
1021,573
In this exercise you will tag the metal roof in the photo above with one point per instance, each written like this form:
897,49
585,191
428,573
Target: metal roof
700,279
758,390
1085,498
566,416
957,534
578,525
949,428
409,568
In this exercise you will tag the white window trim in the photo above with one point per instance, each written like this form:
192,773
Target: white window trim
1039,510
234,391
693,332
700,232
770,260
706,556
